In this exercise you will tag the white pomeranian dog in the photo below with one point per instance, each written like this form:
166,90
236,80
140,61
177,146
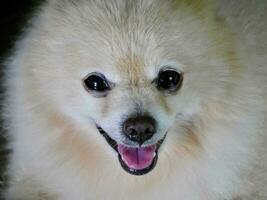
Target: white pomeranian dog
139,99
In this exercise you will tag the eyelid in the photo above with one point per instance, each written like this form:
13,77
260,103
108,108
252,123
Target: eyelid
95,73
169,68
110,83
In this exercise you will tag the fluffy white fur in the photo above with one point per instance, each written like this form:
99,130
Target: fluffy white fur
214,149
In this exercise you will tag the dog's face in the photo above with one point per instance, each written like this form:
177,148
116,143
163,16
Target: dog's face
139,71
134,106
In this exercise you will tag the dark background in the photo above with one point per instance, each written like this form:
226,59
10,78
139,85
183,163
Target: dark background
14,15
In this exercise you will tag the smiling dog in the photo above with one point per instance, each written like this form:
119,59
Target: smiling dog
139,99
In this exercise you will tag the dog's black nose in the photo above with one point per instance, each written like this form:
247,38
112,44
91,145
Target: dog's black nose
139,129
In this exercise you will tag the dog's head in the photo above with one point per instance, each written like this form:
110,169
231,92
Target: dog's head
140,71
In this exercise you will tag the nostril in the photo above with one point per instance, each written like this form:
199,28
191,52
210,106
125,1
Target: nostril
130,130
150,130
133,134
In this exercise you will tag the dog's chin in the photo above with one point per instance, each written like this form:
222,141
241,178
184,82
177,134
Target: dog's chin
135,160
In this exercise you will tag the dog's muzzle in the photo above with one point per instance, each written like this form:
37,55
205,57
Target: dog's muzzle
135,160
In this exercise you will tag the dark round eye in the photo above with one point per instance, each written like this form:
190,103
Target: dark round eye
169,80
96,82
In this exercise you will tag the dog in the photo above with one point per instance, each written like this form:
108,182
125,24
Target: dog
139,99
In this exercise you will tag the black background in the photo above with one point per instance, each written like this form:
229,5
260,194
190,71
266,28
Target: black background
13,15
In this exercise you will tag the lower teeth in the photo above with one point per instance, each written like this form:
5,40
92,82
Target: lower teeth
124,160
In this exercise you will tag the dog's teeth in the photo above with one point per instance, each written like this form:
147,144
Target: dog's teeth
124,160
154,154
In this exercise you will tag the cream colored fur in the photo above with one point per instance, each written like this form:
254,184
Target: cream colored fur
216,145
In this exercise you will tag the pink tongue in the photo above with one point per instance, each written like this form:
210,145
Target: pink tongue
137,158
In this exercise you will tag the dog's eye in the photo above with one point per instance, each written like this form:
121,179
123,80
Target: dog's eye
96,82
169,80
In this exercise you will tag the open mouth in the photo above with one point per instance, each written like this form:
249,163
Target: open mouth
135,160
